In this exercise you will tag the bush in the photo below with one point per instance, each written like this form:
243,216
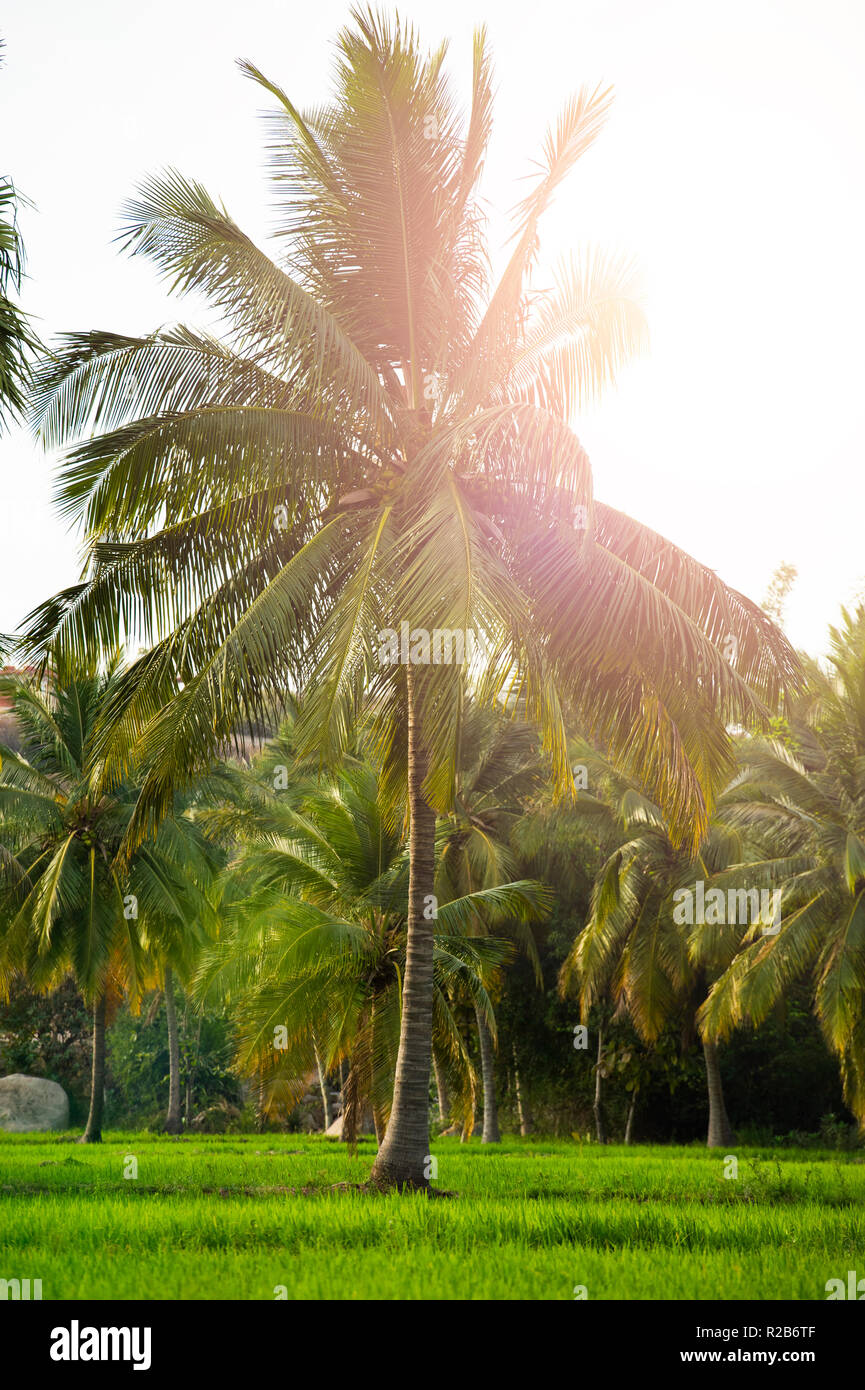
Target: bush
49,1035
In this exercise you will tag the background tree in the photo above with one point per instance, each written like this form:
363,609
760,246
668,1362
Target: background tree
633,951
780,587
808,800
498,769
68,903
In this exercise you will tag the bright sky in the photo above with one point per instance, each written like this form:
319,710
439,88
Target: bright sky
731,167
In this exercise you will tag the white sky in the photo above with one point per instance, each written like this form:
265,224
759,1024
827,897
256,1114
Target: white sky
732,167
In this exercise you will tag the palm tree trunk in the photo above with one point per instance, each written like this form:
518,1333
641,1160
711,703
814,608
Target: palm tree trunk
629,1127
378,1124
441,1090
401,1160
598,1107
322,1082
93,1131
173,1119
488,1073
720,1132
261,1102
524,1110
343,1099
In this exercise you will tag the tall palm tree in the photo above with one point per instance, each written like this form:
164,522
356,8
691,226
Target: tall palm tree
804,795
380,438
66,903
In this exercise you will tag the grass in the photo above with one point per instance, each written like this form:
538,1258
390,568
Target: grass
215,1217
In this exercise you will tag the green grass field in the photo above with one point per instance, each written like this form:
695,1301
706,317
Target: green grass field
237,1217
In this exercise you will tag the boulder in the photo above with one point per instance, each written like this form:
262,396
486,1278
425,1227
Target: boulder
32,1103
334,1130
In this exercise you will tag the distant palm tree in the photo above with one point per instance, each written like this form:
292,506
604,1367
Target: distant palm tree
382,438
498,768
633,951
804,795
66,903
174,942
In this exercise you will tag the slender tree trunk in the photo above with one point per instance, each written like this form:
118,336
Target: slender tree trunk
93,1131
343,1077
401,1160
488,1073
441,1090
598,1107
261,1103
720,1132
173,1119
322,1082
193,1068
629,1127
524,1110
378,1124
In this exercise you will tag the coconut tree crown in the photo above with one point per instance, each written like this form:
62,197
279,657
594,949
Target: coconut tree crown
382,435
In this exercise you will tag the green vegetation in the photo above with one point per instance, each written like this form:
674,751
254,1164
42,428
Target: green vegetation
211,1218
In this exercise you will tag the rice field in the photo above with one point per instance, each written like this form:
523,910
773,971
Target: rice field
263,1216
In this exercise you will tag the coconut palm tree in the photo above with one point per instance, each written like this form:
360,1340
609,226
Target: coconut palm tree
498,769
66,902
380,444
312,952
634,951
804,794
174,943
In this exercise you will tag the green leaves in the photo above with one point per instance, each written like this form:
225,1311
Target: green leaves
854,864
18,341
285,328
66,901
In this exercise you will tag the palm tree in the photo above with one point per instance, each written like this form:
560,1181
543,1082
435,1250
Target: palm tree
66,901
633,951
804,795
175,944
382,438
17,339
313,947
498,768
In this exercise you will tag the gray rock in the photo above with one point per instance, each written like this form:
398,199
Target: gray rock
334,1131
32,1103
